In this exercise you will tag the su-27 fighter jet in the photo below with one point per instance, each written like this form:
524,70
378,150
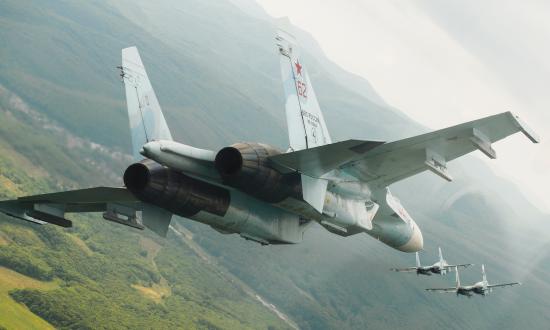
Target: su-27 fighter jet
482,288
440,267
258,191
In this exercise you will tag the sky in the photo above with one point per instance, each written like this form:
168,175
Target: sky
447,62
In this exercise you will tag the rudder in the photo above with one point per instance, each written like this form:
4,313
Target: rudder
306,125
305,122
147,122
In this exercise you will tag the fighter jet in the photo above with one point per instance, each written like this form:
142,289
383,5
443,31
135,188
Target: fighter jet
441,267
258,191
482,288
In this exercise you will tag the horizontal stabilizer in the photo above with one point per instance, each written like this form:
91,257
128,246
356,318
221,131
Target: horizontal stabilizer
317,161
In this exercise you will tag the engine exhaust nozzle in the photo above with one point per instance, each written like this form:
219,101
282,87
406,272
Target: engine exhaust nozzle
229,161
136,177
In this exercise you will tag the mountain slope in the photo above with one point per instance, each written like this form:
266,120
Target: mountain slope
215,71
105,276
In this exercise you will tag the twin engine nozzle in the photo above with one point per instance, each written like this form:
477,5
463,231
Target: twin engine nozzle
244,166
174,191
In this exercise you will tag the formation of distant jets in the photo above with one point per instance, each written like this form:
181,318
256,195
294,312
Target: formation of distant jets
442,267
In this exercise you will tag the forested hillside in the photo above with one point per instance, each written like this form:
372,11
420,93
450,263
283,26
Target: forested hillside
214,67
96,275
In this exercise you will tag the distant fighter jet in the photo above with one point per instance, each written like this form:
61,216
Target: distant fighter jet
257,191
482,288
440,267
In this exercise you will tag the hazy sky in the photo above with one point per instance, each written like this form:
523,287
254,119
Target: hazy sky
446,62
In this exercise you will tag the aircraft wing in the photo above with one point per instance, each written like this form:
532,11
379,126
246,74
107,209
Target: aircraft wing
503,284
117,204
395,161
450,267
443,290
398,160
404,270
386,163
317,161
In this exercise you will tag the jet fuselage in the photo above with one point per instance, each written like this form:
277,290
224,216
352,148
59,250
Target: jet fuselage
350,207
479,288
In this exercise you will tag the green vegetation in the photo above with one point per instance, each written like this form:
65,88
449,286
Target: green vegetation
97,280
20,316
105,276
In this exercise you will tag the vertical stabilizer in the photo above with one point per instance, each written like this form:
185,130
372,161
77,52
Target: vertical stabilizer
441,257
306,125
483,274
147,122
305,122
417,260
457,278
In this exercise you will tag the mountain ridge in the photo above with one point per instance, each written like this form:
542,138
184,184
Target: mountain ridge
327,281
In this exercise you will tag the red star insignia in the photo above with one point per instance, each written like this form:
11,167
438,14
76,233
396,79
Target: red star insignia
298,68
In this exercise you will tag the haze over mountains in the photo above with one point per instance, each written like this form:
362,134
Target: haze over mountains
215,69
467,58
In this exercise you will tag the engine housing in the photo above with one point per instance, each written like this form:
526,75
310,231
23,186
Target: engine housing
227,211
245,166
174,191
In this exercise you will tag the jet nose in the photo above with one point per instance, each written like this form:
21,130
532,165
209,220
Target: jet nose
416,243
